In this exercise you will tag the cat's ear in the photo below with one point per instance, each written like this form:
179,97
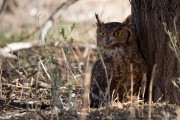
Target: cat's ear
99,23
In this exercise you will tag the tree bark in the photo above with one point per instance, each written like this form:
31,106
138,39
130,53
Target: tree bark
148,17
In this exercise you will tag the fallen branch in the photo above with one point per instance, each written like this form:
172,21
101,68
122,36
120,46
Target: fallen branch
8,49
12,47
56,14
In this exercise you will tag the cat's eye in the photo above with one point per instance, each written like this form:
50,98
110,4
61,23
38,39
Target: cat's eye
117,33
101,33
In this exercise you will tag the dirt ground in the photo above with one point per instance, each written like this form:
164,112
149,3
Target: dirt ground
28,92
47,81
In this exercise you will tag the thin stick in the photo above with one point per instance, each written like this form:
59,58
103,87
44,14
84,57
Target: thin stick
0,78
131,68
138,97
68,72
16,69
107,94
144,79
37,77
56,14
6,84
45,70
86,104
150,90
132,103
144,86
67,65
160,98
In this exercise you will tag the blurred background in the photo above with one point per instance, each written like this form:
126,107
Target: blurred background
20,18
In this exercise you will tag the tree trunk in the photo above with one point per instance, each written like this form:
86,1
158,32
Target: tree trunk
148,17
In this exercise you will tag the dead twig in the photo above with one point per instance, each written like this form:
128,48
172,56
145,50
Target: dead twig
1,60
132,102
56,14
85,107
22,87
150,90
45,70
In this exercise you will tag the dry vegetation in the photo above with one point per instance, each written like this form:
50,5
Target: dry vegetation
47,81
